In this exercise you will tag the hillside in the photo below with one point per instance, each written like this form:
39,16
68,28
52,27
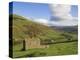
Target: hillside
22,25
69,29
60,43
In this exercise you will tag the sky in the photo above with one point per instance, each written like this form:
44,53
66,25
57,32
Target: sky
47,14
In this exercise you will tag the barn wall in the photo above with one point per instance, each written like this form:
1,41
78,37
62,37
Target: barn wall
34,43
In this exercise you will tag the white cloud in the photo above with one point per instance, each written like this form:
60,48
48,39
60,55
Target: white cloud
42,21
63,15
61,11
68,22
64,23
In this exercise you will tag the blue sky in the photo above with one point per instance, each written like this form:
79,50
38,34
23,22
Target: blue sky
32,10
74,10
37,10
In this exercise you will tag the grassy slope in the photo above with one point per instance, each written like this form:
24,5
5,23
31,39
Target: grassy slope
54,49
19,28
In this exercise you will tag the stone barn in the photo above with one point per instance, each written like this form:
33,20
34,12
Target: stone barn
33,43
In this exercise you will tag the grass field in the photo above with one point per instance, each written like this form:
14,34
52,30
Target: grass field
26,29
54,49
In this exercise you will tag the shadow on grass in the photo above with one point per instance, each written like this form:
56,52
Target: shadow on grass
33,54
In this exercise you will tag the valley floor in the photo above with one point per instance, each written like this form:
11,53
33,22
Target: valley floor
69,48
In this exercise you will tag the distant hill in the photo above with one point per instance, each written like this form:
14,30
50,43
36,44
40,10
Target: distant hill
69,29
